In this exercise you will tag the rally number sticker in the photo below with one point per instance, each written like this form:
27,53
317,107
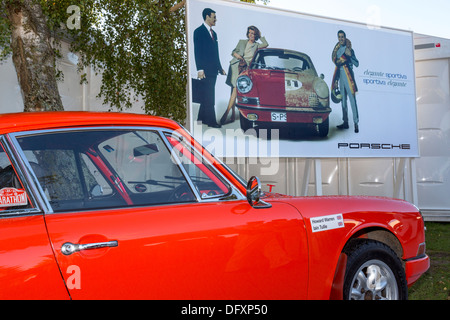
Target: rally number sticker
12,197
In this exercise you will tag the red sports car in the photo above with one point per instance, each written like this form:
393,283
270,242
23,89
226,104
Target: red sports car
125,206
282,87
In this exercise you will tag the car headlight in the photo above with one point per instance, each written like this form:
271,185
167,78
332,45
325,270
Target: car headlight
244,84
321,88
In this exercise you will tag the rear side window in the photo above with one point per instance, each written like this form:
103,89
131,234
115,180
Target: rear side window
13,196
93,169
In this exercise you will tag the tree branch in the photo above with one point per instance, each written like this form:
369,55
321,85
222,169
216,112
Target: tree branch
177,6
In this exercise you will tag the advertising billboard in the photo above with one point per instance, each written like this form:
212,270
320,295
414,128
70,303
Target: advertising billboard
266,82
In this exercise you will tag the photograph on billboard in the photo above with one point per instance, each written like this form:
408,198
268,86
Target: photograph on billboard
265,82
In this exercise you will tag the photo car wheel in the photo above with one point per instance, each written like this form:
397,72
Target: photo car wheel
374,272
323,128
245,123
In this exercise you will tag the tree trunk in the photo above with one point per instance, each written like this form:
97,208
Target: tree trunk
33,56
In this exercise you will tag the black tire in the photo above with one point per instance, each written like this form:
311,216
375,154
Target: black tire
370,265
245,123
323,128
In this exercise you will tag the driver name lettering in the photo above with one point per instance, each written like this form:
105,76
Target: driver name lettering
325,223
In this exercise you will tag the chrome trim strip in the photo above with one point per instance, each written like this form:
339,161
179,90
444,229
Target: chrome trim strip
305,110
27,177
180,165
422,256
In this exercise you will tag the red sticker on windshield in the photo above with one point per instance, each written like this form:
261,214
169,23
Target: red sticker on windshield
13,197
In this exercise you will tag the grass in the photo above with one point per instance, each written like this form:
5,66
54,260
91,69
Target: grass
435,283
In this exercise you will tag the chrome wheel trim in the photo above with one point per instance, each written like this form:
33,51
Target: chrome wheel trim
374,280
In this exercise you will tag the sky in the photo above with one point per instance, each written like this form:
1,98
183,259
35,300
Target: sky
429,17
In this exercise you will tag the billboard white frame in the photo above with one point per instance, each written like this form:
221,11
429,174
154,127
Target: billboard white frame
385,77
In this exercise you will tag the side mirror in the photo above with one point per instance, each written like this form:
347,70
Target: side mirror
254,194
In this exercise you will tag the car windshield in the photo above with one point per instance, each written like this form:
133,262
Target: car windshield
90,169
280,60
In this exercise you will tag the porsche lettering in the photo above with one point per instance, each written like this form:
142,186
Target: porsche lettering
383,146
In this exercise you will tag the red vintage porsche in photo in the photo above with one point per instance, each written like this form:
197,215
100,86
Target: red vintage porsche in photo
126,206
281,87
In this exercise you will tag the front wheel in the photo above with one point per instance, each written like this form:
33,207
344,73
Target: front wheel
323,128
374,272
245,123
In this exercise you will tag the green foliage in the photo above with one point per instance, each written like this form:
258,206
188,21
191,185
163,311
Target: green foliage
139,47
253,1
435,283
5,33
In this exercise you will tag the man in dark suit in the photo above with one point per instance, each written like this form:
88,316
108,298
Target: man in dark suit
208,65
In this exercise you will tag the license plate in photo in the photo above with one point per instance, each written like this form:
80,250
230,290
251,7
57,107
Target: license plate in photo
279,117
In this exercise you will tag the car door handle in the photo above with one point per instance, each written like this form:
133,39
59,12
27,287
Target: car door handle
68,248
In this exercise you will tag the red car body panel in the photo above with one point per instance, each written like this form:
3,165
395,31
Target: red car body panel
359,213
270,87
26,121
201,250
28,269
186,252
415,268
268,83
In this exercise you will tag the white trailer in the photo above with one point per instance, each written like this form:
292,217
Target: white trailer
432,56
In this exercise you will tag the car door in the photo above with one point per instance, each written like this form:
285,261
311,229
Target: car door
27,263
136,216
195,251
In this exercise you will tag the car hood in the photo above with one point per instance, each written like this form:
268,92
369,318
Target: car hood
283,88
310,207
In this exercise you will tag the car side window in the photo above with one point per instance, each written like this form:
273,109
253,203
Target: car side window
145,167
12,193
206,181
92,169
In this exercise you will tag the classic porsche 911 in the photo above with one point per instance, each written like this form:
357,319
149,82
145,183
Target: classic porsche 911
125,206
282,87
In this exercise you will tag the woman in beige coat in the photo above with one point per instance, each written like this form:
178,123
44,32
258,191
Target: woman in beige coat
244,51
